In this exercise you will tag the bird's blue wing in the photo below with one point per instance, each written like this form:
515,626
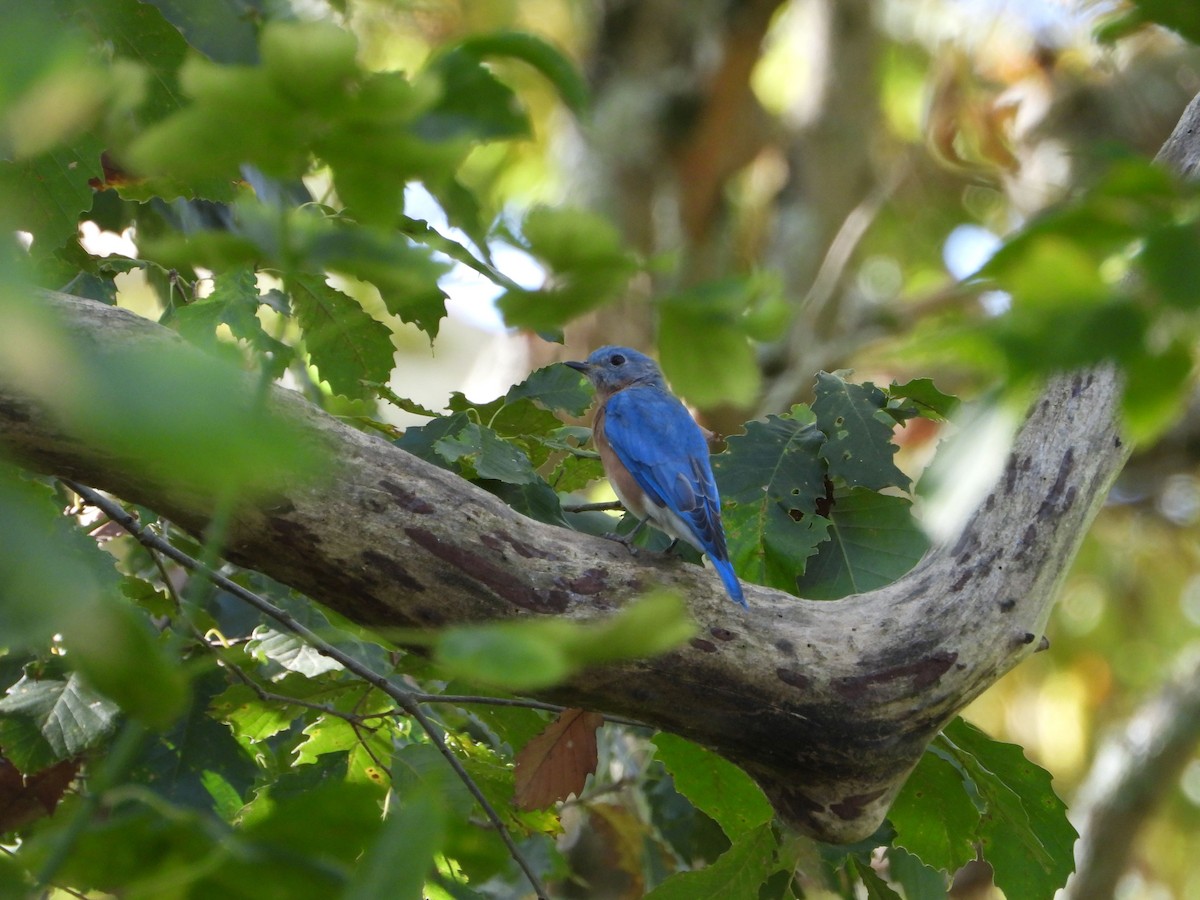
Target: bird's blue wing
665,451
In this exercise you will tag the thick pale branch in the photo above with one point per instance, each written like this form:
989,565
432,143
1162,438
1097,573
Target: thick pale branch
828,705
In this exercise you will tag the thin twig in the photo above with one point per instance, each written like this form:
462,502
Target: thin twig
606,506
403,698
516,701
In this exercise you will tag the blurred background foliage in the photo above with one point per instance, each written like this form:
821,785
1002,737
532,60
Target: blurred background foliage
787,187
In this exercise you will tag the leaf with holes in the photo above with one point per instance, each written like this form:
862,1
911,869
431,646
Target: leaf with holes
858,434
772,481
873,541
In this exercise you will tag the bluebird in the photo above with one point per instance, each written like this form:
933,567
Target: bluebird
655,455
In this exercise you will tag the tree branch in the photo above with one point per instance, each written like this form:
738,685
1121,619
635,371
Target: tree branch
1132,770
827,705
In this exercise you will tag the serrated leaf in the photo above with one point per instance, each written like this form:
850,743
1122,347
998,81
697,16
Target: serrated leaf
290,651
1024,830
44,722
556,763
251,718
771,479
873,540
925,397
233,302
45,195
423,440
489,455
934,817
555,387
917,879
328,734
345,343
858,442
715,786
738,872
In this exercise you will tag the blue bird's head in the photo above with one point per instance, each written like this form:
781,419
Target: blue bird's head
611,369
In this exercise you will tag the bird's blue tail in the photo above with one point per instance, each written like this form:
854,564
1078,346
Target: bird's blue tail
732,586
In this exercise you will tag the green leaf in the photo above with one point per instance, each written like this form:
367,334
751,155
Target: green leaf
1024,830
688,348
917,879
413,833
1157,385
118,653
290,651
518,656
715,786
1181,17
535,653
1164,248
877,888
771,479
473,103
348,815
137,31
858,438
310,63
554,387
489,455
46,195
345,343
934,817
588,263
223,30
925,397
234,302
57,581
873,541
543,56
328,734
43,722
251,718
738,872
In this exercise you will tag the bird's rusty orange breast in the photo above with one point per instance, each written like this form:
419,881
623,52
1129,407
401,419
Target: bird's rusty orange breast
623,484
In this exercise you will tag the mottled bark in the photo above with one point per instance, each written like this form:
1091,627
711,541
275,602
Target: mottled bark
827,705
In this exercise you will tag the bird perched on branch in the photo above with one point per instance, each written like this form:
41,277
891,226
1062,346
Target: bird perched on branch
655,455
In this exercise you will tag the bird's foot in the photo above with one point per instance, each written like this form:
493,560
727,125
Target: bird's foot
624,539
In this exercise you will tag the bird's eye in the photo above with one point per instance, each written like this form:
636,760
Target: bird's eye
616,360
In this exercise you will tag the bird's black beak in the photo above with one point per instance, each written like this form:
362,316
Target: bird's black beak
578,366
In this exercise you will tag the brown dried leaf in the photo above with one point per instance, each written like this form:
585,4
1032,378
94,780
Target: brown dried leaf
27,798
556,763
